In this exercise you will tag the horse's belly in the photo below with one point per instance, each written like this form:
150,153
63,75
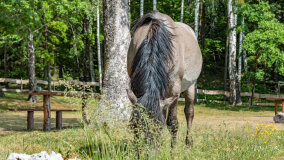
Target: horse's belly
191,73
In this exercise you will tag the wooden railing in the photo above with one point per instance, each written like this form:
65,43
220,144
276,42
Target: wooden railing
199,91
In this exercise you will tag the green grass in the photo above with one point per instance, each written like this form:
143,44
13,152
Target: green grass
219,132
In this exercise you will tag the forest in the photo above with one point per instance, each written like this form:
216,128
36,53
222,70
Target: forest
43,42
241,41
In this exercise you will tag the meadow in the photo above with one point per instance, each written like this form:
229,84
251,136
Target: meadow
219,132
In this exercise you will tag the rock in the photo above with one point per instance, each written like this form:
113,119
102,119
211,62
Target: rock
279,118
38,156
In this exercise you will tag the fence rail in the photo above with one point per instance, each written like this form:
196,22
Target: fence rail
54,83
199,91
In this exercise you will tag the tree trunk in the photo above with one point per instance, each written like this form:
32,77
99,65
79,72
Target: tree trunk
181,11
31,66
6,65
45,74
117,39
245,61
5,61
203,24
234,90
92,72
48,63
254,80
226,66
99,49
154,5
60,70
241,36
86,48
1,92
196,19
75,53
55,70
141,8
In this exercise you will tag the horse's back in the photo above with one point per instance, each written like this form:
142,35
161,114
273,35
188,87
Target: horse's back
189,52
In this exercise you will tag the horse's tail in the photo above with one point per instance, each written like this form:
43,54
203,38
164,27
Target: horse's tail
150,69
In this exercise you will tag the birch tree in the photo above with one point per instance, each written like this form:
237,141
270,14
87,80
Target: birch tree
99,48
234,89
241,36
117,39
196,20
31,66
141,8
154,5
182,10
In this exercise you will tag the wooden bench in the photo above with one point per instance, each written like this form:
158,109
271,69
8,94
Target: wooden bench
30,116
277,101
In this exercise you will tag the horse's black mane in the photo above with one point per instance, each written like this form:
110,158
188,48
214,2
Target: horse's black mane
149,76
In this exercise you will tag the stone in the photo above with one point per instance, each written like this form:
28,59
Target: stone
279,118
38,156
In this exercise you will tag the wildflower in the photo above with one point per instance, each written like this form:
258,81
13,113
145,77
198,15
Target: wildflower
265,142
249,121
252,135
262,124
256,133
246,119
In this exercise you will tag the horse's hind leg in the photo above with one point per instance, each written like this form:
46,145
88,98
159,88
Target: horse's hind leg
189,112
172,121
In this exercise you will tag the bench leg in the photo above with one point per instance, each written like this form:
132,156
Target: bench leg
282,106
58,119
46,113
30,120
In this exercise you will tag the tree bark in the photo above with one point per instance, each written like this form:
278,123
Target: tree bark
234,89
154,5
6,65
5,61
226,66
1,92
117,39
91,64
241,36
203,24
86,48
31,66
75,53
141,8
196,19
99,49
181,10
55,70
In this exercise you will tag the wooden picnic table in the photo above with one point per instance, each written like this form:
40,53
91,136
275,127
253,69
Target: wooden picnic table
47,108
277,101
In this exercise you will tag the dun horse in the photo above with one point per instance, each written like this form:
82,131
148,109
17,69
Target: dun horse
163,60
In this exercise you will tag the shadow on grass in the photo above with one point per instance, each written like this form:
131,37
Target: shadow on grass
18,122
228,107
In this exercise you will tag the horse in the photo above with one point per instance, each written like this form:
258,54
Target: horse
163,60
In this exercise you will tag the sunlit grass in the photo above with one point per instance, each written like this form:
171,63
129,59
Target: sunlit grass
223,132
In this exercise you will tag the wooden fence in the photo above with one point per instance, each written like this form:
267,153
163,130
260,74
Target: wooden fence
199,91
